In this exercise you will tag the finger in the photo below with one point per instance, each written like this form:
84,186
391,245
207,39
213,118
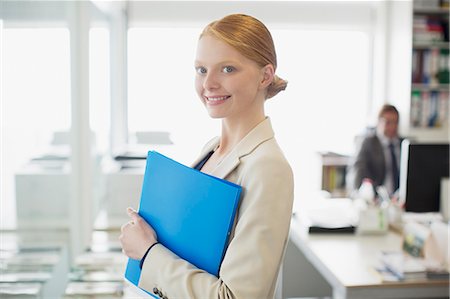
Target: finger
133,214
130,209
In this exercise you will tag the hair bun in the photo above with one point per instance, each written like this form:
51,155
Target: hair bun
276,86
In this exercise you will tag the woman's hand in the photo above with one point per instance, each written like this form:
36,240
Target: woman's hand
137,236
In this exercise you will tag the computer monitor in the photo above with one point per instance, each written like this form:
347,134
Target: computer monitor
422,167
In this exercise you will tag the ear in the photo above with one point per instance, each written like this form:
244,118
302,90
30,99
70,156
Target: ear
268,72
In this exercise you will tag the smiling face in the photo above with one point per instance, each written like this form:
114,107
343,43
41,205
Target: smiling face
230,85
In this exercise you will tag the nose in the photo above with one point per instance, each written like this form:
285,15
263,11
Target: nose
210,82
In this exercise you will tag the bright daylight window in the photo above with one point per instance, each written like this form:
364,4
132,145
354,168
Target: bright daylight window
323,108
161,93
326,102
35,93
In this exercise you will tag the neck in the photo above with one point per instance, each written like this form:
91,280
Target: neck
233,131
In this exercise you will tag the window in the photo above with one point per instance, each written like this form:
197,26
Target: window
161,93
325,104
35,67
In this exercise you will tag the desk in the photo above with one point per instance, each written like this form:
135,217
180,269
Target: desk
346,262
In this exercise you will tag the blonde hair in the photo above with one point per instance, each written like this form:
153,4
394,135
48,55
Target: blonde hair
252,39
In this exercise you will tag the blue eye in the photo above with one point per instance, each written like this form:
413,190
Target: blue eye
200,70
228,69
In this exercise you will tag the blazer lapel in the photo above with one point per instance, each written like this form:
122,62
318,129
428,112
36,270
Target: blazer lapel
210,146
262,132
228,164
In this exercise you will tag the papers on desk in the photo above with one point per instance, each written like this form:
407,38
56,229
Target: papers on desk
402,266
424,254
398,265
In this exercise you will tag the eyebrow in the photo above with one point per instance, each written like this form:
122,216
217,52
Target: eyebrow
225,62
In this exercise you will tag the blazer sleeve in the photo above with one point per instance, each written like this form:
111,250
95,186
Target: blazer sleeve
360,165
252,260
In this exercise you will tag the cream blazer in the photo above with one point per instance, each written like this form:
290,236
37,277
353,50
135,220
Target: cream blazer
258,240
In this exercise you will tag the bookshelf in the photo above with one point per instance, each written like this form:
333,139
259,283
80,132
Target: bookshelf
429,112
334,170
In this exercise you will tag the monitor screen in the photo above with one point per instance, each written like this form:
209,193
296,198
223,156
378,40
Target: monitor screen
423,165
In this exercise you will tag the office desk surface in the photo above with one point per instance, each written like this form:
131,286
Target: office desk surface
347,262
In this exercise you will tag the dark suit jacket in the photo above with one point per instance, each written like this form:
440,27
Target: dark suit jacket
369,162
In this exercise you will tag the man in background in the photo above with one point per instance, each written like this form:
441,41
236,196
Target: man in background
378,156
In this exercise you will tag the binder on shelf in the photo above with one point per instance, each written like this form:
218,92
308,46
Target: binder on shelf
429,108
443,108
191,212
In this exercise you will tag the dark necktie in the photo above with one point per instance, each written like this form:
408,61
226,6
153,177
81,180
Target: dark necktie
394,168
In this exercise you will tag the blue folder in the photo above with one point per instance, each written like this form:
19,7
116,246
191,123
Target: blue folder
191,212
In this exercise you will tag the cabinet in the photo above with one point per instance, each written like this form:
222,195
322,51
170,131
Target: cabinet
429,102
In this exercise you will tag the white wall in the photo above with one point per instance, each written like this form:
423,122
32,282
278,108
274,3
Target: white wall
399,58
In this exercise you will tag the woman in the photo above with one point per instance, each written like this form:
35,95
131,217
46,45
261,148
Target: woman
235,65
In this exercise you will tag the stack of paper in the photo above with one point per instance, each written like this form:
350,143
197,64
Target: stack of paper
403,266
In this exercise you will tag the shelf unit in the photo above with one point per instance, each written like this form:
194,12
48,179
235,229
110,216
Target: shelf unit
334,170
429,102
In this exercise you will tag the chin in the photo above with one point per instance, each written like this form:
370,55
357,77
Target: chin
214,116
